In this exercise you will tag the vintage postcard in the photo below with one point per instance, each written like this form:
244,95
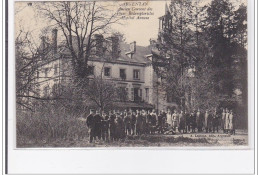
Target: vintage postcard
131,74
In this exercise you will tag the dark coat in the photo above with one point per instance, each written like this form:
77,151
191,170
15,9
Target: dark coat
153,120
132,119
104,125
97,124
215,119
112,126
139,122
90,121
193,120
160,119
199,120
127,121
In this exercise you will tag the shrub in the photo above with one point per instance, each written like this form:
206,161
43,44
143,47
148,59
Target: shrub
48,124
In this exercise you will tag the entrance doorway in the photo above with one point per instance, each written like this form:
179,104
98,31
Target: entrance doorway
136,96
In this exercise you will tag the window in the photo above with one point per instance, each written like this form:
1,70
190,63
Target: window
136,74
132,94
107,71
46,72
122,92
90,70
127,94
147,94
55,69
141,94
122,74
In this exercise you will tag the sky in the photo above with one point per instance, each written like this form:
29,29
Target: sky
141,30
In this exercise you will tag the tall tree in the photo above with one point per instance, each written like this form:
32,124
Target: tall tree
79,21
219,34
174,45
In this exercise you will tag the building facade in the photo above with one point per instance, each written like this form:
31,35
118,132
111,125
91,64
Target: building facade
128,65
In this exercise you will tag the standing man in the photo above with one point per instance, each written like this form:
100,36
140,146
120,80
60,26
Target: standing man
164,120
223,120
112,125
90,125
153,121
207,121
193,121
187,121
199,120
145,123
227,121
127,122
231,123
133,121
122,125
97,125
175,119
139,123
215,120
149,121
160,122
182,122
169,119
118,126
105,127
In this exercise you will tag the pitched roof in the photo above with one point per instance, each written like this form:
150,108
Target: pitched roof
139,57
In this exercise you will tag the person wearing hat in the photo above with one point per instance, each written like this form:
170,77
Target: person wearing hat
112,125
187,121
90,125
97,125
215,120
206,122
160,122
193,121
231,122
133,121
123,131
139,123
146,126
149,121
104,126
169,119
127,123
175,120
182,122
164,119
117,126
199,120
153,121
223,120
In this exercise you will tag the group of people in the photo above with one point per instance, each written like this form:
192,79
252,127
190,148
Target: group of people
115,126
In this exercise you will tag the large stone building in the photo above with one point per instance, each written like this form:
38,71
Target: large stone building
128,65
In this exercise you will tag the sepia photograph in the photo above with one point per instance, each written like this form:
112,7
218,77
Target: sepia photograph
152,74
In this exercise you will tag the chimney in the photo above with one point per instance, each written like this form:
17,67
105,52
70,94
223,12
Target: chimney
132,50
99,44
43,43
115,46
133,47
54,40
